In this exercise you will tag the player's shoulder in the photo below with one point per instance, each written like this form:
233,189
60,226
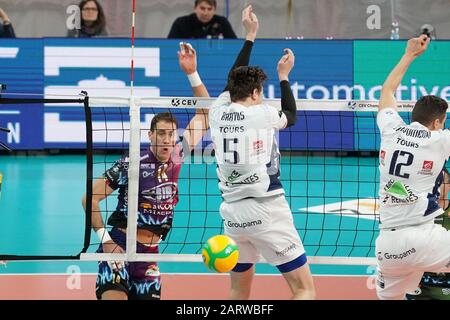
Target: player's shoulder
222,100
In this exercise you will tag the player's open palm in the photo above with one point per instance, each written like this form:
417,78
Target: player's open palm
250,20
187,58
286,63
416,46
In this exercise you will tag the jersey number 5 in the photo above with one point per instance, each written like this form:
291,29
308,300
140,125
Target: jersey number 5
228,145
396,165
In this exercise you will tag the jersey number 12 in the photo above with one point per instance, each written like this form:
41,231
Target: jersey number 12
396,164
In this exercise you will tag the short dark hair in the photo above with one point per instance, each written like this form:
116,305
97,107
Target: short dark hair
429,108
210,2
242,81
100,24
163,116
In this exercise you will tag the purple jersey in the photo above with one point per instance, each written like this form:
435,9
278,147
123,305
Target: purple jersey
158,190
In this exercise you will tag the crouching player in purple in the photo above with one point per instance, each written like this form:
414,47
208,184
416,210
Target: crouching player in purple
160,166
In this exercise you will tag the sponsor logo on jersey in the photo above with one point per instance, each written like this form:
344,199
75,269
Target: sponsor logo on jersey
176,102
414,133
382,156
427,168
379,256
152,271
283,252
147,166
145,205
398,193
146,174
243,225
161,193
233,176
427,165
233,116
251,179
399,256
258,146
151,208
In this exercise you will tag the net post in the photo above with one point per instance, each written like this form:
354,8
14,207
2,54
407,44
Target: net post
89,173
133,176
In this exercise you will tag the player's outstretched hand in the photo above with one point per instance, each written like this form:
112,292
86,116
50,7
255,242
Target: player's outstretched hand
285,64
416,46
250,22
187,58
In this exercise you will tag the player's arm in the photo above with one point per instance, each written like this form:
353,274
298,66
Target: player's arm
445,191
414,48
197,127
100,191
288,105
251,25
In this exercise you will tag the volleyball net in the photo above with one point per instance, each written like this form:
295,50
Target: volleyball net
328,170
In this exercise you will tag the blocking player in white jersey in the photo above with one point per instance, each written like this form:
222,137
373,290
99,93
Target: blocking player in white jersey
411,160
255,212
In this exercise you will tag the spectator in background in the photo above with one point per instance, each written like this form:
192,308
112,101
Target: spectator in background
93,22
203,23
6,28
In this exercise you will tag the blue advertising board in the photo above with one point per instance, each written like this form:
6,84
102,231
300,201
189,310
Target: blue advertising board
60,66
21,69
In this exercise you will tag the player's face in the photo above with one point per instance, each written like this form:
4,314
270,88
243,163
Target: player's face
163,140
204,12
89,12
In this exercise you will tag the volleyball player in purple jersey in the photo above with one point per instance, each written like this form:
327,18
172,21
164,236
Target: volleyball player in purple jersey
160,166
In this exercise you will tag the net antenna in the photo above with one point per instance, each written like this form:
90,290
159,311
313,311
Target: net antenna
4,145
135,141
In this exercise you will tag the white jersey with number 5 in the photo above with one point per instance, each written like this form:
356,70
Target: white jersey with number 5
411,160
246,149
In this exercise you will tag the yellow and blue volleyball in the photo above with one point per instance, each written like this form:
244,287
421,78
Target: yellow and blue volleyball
220,253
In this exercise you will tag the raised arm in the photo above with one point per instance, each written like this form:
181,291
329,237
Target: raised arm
251,25
288,105
197,127
8,31
414,48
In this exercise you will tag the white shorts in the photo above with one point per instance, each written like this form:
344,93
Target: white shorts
405,254
262,227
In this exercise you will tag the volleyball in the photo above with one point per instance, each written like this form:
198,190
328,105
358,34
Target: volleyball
220,253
